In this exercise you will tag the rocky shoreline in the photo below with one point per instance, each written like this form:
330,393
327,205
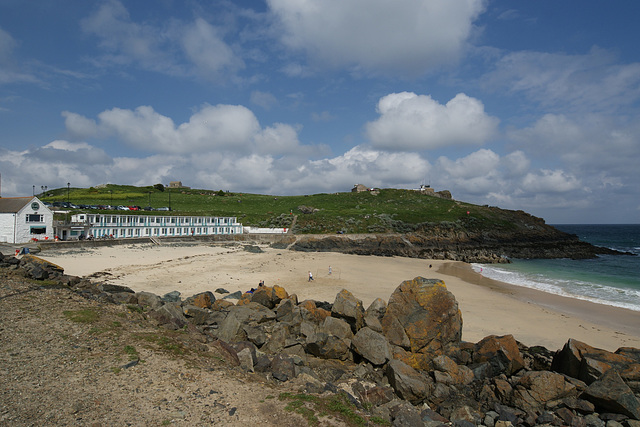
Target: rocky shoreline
399,362
482,247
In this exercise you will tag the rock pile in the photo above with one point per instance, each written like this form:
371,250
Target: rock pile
403,361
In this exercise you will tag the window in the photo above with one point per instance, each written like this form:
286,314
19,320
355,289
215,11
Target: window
38,230
35,218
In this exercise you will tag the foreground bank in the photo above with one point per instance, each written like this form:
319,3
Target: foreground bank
401,362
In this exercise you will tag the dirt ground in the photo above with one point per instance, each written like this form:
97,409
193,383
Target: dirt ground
66,360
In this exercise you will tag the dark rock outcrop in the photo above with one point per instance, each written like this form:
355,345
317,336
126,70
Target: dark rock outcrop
528,237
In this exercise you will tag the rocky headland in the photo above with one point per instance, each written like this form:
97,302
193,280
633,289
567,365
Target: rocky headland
401,362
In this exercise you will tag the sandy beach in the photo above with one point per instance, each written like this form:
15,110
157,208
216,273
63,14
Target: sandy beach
488,307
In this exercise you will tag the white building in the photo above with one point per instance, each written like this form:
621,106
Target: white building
23,219
126,226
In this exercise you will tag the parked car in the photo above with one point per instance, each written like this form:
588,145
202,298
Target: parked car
164,208
134,208
123,208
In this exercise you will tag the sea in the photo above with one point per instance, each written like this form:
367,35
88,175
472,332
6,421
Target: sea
608,279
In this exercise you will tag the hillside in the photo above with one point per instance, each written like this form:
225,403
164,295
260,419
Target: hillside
386,222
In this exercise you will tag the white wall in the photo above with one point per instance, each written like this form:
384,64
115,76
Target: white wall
7,221
23,228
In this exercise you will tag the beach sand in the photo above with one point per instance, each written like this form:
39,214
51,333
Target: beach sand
488,307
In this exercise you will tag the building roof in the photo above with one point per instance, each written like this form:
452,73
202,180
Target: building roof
13,204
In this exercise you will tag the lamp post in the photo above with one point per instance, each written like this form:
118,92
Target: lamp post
68,188
111,196
149,199
34,190
169,199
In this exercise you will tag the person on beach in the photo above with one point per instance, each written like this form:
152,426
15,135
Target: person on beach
310,276
261,284
329,270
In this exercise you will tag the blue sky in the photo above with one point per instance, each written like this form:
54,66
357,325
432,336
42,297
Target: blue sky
530,105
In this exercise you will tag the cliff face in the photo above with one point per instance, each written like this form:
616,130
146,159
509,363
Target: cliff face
451,241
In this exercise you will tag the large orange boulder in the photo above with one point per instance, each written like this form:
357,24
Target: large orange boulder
429,316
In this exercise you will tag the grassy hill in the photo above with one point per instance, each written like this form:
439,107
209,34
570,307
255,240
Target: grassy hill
391,210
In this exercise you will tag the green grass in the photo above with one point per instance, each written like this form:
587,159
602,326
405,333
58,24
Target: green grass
82,316
391,210
337,406
131,351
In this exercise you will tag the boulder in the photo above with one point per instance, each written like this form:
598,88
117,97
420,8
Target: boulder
269,296
221,304
245,359
377,308
196,315
173,296
112,289
586,363
201,300
536,388
371,345
373,323
283,368
124,298
349,308
147,299
170,316
227,352
447,371
325,346
609,393
337,327
394,331
501,352
408,383
429,315
312,313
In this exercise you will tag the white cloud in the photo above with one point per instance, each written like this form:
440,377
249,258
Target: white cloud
176,49
593,142
226,128
205,48
417,122
590,82
265,100
79,126
409,37
550,181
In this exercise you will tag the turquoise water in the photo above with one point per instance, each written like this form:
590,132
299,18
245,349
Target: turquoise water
607,279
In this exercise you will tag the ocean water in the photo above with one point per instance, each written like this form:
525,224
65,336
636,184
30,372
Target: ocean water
608,279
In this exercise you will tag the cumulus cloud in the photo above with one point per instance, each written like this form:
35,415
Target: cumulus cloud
550,181
182,48
79,126
417,122
376,35
227,128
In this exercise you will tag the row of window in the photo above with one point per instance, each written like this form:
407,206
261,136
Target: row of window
161,232
141,219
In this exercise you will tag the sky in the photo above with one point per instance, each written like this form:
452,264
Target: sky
525,105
